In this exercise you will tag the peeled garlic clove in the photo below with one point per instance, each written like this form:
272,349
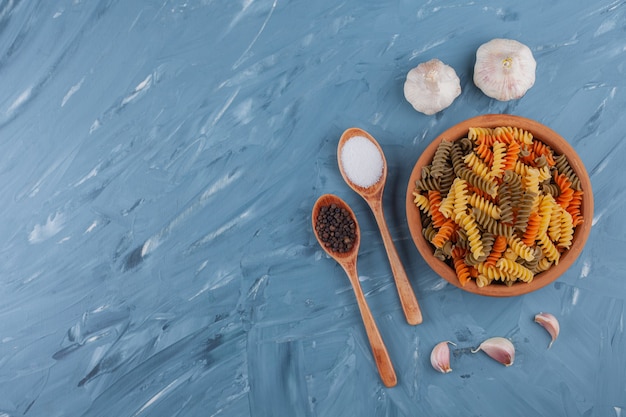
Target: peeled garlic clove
504,69
431,86
498,348
440,357
550,323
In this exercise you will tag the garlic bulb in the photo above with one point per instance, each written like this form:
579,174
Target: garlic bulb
498,348
504,69
431,86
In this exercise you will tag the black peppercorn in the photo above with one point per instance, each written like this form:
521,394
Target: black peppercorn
336,228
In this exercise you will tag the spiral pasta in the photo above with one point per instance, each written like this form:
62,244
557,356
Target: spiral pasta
484,205
421,201
478,134
515,269
434,198
440,158
498,205
563,167
499,154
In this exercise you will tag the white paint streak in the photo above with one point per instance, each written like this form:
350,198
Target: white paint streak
91,227
150,245
575,296
243,112
221,112
165,391
425,48
202,266
227,226
220,184
20,100
244,55
91,174
41,232
584,273
606,26
144,85
221,279
254,290
597,218
238,16
94,126
72,91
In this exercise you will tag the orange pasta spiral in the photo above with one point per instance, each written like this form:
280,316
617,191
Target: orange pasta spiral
499,246
574,208
511,156
435,201
462,269
485,153
444,233
532,227
566,192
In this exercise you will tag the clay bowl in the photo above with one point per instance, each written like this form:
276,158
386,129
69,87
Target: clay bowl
547,136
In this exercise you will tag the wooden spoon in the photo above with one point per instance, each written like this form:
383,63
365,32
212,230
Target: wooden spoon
348,262
373,195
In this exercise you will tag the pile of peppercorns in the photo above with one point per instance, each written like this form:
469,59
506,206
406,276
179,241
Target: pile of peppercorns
336,228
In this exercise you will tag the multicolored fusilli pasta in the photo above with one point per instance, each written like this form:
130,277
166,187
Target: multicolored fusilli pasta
499,205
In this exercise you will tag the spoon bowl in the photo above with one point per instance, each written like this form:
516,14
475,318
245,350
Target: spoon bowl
328,200
375,191
347,260
373,195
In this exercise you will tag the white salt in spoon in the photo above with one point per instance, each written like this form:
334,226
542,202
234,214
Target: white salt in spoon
364,169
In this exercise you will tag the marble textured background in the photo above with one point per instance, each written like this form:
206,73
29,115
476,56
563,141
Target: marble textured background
158,168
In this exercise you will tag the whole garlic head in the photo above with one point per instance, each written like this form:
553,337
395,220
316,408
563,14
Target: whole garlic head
431,86
504,69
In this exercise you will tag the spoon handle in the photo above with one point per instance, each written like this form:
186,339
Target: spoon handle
409,303
379,350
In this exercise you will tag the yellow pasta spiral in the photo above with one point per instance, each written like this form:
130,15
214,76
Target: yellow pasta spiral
520,249
483,281
520,135
547,247
484,205
491,272
477,165
447,204
468,223
461,198
546,211
497,166
519,271
567,230
422,202
479,132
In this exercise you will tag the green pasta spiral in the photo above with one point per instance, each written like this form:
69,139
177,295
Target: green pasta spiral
439,163
564,167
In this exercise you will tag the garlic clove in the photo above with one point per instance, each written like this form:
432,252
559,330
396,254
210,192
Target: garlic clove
498,348
504,69
440,357
431,86
550,323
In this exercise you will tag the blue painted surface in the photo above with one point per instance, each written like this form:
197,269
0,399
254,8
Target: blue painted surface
159,165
